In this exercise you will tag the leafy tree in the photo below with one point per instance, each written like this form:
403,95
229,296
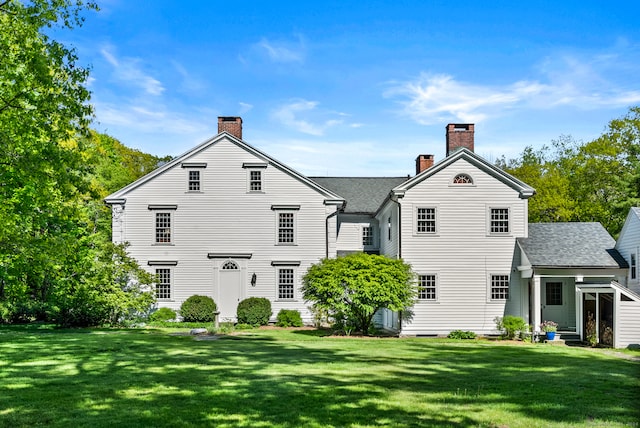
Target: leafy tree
56,261
594,181
358,285
43,105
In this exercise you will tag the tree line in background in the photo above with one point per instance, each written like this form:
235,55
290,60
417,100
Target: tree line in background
595,181
57,262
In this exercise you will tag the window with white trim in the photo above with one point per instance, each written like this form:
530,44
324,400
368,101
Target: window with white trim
194,180
163,228
499,287
286,283
286,227
499,221
633,267
389,228
427,287
426,220
255,180
367,236
163,284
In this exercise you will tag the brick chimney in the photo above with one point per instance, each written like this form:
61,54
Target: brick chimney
459,135
423,162
231,124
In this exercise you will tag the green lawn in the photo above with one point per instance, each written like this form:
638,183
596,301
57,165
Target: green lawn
131,378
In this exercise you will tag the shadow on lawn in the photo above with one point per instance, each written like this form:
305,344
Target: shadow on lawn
142,378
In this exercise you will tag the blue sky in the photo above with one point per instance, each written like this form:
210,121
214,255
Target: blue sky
348,88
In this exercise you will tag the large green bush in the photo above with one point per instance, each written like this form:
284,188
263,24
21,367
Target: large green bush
163,314
198,309
289,318
510,325
254,311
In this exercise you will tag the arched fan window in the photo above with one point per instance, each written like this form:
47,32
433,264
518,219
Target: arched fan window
229,265
462,179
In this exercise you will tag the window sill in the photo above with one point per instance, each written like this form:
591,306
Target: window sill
427,301
285,245
162,244
194,192
286,300
256,192
165,300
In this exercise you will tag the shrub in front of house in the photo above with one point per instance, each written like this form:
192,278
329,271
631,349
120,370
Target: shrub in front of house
289,318
163,314
510,326
198,309
459,334
254,311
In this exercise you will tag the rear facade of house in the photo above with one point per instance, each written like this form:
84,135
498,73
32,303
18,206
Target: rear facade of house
228,221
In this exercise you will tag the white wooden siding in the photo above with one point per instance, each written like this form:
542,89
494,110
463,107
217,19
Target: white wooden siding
350,233
225,218
628,324
462,251
628,243
388,247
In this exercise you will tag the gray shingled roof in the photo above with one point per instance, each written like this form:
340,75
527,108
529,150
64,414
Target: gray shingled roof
636,211
582,245
363,194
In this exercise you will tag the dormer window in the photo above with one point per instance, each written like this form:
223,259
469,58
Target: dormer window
462,179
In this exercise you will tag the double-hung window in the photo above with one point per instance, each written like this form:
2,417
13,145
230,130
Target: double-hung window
499,221
163,284
633,267
255,176
427,287
499,287
426,220
163,223
285,223
194,180
194,175
163,228
286,283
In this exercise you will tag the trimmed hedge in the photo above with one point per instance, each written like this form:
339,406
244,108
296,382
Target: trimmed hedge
289,318
254,311
198,309
163,314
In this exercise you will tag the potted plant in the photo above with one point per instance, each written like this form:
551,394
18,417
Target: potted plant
549,327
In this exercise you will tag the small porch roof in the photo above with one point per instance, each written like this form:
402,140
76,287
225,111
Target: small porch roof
570,245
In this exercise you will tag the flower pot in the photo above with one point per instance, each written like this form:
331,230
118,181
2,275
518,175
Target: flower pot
551,335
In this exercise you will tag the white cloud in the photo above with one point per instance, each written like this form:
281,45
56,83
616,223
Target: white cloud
563,80
245,107
128,71
283,52
313,122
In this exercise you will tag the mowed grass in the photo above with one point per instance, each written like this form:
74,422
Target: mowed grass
294,378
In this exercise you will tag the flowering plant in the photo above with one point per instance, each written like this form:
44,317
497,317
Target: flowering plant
549,326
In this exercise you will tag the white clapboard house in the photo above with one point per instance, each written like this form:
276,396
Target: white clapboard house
228,221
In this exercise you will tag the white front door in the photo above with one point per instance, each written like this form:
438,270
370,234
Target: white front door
229,290
555,303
